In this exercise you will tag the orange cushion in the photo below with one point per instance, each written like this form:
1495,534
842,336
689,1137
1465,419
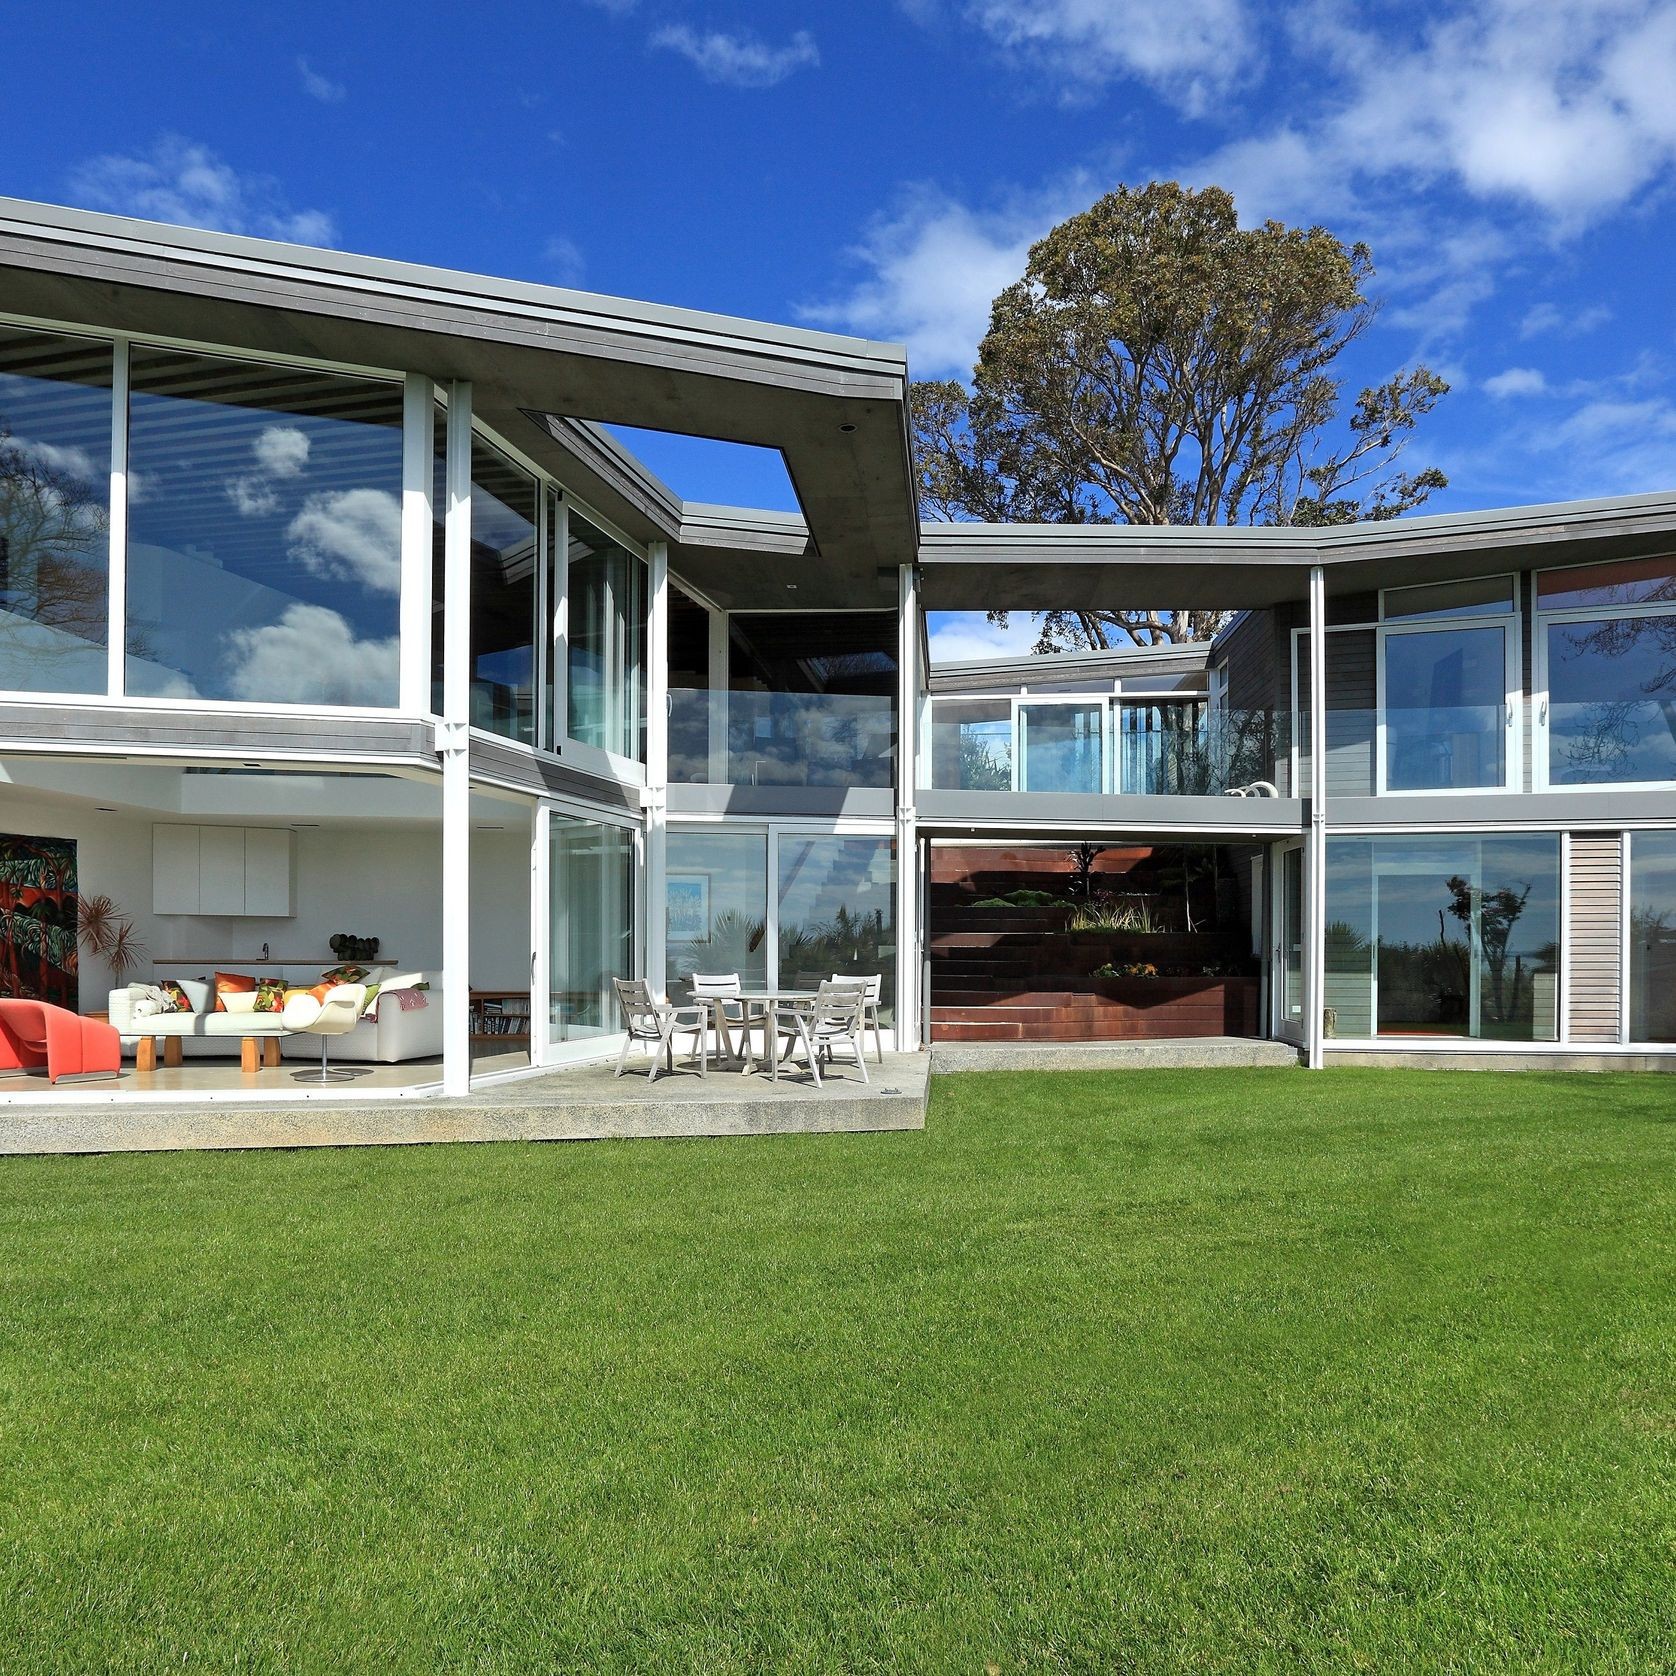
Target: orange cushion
291,995
232,983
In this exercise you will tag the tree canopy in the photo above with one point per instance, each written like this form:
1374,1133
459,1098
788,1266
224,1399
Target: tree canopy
1159,364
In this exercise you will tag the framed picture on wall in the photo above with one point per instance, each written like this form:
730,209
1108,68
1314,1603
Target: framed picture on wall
689,907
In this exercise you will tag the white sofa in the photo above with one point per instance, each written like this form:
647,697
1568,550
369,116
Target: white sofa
387,1034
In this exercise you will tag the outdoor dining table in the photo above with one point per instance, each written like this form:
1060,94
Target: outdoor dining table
758,1007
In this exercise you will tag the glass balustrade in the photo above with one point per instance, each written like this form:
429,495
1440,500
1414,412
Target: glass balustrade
781,739
1099,744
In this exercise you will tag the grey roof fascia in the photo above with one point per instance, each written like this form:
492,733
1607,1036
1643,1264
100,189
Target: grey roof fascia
125,237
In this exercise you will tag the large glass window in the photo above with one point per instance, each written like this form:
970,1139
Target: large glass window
264,533
717,903
55,473
837,902
1652,937
606,695
1444,937
972,744
503,594
1445,709
592,890
812,699
1607,638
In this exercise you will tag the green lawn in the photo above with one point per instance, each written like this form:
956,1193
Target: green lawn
1173,1370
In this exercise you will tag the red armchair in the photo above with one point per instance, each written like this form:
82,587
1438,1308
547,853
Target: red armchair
36,1034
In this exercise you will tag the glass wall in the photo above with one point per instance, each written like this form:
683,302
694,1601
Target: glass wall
504,516
592,893
1445,937
55,472
717,902
264,532
1445,709
837,911
1607,634
606,695
1652,937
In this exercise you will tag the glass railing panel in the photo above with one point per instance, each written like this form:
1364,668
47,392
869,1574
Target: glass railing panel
837,740
1157,750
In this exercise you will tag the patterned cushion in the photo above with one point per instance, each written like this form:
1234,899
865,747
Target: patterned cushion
173,999
270,995
344,974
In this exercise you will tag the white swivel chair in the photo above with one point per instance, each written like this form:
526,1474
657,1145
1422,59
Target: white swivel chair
334,1014
874,985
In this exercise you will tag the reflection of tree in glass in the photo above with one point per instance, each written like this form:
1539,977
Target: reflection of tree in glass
848,942
982,768
1494,913
1603,735
735,945
53,530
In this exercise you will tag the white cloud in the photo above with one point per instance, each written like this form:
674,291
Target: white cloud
72,462
320,87
1188,50
178,181
281,450
935,268
351,533
739,60
1517,381
311,656
958,635
252,496
564,260
1549,317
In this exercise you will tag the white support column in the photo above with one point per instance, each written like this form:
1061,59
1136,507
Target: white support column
418,542
657,758
453,737
541,935
908,932
1315,850
116,641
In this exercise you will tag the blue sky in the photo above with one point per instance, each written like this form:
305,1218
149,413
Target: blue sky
880,167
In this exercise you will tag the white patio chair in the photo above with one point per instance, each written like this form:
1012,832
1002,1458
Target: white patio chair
656,1023
715,991
836,1016
874,985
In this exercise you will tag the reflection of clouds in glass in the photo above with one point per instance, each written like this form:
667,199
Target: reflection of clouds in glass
252,497
351,534
281,450
74,463
311,656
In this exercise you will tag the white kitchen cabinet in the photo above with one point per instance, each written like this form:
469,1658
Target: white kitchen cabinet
230,872
267,872
174,869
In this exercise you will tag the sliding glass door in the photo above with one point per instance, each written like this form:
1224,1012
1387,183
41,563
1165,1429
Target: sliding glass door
591,892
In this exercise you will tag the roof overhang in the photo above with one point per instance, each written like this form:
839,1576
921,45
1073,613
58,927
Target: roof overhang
834,406
1033,567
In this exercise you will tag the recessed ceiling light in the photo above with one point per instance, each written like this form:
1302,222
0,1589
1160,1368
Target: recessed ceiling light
103,810
250,765
846,428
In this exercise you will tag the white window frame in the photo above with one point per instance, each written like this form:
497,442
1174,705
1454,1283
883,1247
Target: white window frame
1509,622
1541,620
773,830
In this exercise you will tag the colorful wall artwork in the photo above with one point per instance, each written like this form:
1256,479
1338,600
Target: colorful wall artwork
38,915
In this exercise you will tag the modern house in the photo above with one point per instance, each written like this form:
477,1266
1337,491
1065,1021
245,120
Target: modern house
328,605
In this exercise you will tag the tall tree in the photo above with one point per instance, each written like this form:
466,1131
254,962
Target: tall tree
1160,364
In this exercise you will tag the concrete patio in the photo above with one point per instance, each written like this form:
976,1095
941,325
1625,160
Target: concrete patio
583,1102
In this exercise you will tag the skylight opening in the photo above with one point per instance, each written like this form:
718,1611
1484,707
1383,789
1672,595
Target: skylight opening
699,468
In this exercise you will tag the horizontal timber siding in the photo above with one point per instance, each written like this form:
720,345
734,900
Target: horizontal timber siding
1595,936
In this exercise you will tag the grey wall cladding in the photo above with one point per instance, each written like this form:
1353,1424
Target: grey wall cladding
1594,929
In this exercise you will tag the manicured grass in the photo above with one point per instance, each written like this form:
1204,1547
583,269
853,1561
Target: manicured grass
1173,1370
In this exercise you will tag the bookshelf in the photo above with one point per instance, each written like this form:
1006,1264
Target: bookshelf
500,1015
